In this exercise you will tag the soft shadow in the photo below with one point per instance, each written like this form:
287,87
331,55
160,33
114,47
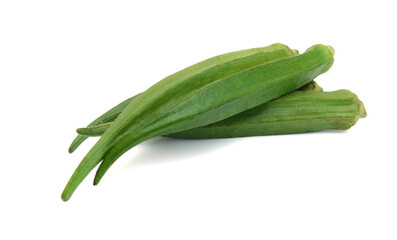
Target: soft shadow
164,150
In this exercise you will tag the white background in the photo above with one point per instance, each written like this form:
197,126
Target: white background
63,63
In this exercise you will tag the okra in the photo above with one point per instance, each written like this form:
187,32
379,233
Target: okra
300,111
198,96
98,130
304,111
256,56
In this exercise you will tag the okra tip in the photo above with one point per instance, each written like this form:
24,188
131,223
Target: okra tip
70,150
76,143
64,197
95,182
294,52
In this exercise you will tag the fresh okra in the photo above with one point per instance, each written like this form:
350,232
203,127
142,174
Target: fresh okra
251,57
300,111
199,95
98,130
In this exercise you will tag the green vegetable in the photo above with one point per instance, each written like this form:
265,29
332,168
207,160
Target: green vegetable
94,131
256,55
109,116
199,95
98,130
300,111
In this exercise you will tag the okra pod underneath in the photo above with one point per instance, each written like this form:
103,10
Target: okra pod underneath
300,111
188,100
99,129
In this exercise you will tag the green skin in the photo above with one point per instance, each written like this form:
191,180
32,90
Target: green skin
300,111
98,130
109,116
99,125
197,96
203,73
257,55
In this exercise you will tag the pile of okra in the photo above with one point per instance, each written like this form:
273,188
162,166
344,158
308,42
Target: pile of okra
253,92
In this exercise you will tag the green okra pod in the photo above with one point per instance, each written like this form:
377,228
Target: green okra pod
266,54
98,130
189,99
300,111
297,112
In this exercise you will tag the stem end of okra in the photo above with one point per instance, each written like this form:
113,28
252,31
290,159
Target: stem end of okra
316,87
331,49
362,113
294,52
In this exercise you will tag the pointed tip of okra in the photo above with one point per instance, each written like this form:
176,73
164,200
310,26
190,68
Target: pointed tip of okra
362,113
64,197
67,193
76,143
70,150
103,167
97,178
72,147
